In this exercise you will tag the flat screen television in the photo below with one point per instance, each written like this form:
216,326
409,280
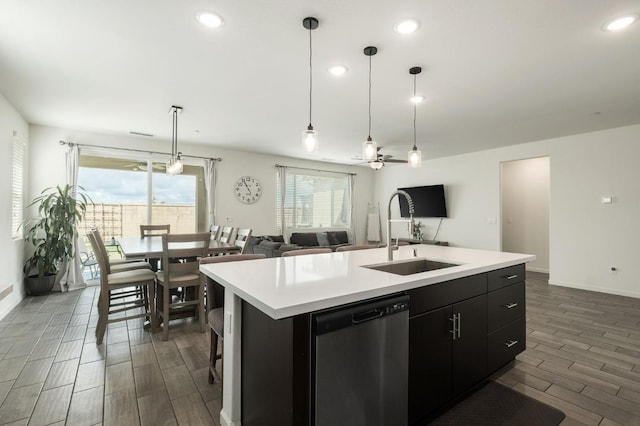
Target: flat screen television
428,201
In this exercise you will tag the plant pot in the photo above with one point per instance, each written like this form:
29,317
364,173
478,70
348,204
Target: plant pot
38,286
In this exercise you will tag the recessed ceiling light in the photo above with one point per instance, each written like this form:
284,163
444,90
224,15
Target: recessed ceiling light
406,26
620,22
209,19
338,70
416,99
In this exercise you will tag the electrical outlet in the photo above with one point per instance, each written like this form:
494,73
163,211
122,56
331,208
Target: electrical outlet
613,270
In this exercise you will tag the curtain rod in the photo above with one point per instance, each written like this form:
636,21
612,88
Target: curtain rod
316,170
137,150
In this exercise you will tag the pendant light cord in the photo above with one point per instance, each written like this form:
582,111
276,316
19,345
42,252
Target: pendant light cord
414,114
310,78
174,136
369,138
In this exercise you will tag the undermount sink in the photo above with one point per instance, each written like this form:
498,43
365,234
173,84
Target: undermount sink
411,267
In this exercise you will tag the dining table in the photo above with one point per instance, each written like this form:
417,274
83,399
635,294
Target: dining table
150,247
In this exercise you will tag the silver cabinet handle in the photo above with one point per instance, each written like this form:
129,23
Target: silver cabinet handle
456,326
459,323
453,319
511,277
510,305
511,343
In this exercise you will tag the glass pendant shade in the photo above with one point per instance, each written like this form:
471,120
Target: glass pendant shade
376,165
174,165
310,140
415,158
369,150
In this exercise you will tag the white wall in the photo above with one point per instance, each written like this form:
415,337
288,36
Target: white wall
525,209
48,169
586,237
11,252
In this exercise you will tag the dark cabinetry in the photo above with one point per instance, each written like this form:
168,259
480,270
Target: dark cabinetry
506,315
447,345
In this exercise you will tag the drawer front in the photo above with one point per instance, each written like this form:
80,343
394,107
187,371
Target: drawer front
505,344
429,297
505,276
506,305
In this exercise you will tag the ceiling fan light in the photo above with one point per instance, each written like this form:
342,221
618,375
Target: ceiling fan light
369,150
415,158
310,140
376,165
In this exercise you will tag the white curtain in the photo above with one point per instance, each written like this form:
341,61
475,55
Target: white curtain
352,226
71,271
210,188
282,190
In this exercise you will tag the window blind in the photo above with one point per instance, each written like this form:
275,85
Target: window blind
310,200
17,188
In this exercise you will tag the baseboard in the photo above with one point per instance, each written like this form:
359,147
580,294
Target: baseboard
226,421
606,290
9,300
534,269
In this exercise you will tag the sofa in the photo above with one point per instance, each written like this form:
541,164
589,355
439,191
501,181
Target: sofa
275,245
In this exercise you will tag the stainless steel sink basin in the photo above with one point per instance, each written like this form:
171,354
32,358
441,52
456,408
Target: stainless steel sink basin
411,266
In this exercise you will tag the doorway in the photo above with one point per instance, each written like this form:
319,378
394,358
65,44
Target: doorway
525,194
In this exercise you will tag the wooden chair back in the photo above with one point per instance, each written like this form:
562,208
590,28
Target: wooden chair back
301,252
242,238
216,232
154,230
356,247
228,234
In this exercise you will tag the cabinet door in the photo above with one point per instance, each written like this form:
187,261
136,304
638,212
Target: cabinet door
430,357
470,345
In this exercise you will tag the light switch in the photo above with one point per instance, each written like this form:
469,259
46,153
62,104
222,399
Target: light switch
607,200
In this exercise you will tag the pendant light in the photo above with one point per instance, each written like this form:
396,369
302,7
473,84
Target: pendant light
174,165
415,156
369,147
310,136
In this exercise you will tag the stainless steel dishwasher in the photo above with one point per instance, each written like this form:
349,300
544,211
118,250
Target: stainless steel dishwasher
361,355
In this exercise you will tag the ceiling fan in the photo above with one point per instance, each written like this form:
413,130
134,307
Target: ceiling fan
142,166
381,159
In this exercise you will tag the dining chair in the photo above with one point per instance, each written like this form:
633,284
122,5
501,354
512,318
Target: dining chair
215,305
87,259
117,265
118,293
242,238
154,230
228,234
301,252
185,274
216,232
356,247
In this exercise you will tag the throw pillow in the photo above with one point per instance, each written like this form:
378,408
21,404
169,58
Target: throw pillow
323,239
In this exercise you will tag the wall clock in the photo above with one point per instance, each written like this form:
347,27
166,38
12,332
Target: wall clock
247,189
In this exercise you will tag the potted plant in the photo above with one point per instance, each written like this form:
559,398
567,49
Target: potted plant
52,235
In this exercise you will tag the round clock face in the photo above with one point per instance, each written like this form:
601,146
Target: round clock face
247,189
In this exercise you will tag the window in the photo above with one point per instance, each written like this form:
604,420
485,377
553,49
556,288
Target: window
17,187
126,194
313,200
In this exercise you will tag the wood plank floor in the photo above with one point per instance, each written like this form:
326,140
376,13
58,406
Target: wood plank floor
583,357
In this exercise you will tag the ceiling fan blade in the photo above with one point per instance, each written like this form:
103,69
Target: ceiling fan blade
386,157
395,161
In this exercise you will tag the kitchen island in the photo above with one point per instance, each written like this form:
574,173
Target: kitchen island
277,295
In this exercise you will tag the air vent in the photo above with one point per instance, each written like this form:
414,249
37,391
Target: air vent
147,135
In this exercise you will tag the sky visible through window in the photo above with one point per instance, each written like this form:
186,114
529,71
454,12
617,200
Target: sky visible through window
129,187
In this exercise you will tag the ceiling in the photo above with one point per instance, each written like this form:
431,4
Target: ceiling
495,72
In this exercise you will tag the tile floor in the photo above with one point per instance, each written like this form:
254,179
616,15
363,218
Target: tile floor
582,356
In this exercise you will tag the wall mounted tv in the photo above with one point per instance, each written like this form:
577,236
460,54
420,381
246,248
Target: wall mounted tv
428,201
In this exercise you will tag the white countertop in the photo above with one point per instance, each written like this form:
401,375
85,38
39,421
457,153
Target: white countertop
286,286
